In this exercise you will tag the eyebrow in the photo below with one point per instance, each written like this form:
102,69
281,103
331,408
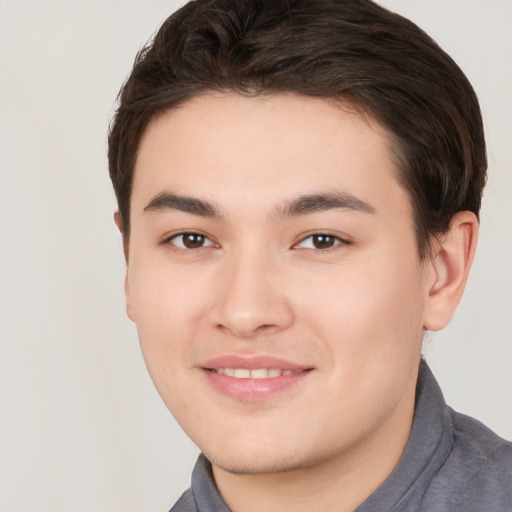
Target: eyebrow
170,201
302,205
314,203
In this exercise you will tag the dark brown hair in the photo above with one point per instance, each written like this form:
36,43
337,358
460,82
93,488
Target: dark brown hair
349,50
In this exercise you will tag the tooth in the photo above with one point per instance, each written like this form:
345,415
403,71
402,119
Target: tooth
261,373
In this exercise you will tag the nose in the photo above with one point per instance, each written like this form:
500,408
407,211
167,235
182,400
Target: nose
252,298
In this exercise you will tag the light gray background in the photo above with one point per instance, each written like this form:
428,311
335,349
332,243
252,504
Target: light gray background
82,428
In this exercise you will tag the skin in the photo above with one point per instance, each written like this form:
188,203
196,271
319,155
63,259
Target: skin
354,313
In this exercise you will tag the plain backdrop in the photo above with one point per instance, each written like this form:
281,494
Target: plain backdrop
82,428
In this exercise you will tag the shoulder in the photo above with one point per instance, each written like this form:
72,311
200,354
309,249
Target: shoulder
485,461
477,475
186,503
473,439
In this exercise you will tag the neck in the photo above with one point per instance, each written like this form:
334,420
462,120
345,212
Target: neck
339,484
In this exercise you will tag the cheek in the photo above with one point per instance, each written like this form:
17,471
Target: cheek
164,297
167,309
365,310
166,329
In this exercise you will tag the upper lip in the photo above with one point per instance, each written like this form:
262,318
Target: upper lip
252,363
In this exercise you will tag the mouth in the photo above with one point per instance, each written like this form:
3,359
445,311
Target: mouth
258,373
253,379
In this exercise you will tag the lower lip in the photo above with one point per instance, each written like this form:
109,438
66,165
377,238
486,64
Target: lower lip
253,390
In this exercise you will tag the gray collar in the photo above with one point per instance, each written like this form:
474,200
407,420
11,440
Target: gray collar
428,448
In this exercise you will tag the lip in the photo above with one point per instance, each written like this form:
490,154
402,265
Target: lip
250,389
252,363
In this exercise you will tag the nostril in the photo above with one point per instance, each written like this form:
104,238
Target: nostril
247,314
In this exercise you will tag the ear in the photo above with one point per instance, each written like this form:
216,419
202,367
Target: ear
129,308
119,223
450,267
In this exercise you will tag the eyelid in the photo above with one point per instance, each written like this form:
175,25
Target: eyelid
168,240
209,242
339,241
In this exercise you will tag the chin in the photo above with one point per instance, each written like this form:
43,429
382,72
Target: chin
253,466
259,460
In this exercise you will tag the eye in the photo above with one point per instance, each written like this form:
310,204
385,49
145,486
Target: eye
190,241
321,241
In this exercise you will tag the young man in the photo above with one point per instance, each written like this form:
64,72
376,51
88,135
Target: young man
299,185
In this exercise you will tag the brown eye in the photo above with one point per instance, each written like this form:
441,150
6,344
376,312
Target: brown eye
190,241
193,240
323,241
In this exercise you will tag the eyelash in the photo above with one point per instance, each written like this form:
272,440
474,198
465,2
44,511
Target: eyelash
169,241
337,242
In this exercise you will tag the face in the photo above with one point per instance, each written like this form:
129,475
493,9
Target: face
274,278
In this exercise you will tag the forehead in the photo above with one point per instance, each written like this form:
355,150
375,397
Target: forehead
260,150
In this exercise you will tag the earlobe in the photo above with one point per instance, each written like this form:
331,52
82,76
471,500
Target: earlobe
450,267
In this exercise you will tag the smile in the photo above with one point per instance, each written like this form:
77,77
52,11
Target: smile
253,379
259,373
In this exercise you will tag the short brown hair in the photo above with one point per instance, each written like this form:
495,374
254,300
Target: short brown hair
349,50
